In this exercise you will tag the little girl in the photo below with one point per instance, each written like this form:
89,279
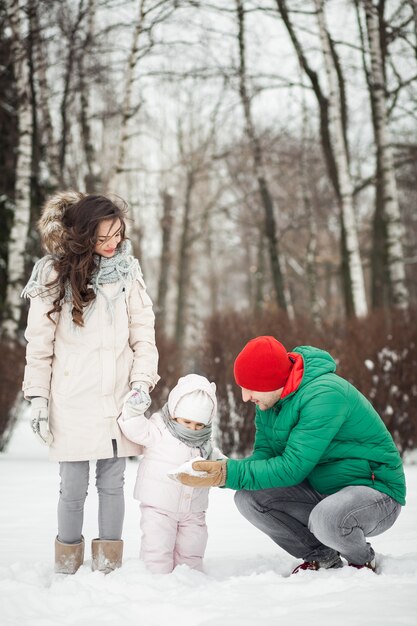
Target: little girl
173,520
91,339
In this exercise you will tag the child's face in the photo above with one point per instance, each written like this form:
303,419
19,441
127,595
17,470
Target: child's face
189,423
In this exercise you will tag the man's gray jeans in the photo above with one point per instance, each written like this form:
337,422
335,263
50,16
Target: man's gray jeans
316,527
73,492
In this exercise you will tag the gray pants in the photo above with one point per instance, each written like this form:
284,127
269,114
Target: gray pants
73,492
315,527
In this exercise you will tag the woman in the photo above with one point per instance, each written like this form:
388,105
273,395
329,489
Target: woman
91,345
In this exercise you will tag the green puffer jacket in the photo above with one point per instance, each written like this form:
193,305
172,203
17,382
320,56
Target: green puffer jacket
325,431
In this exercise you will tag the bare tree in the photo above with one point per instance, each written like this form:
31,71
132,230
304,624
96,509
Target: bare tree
20,228
342,161
311,267
86,134
333,136
49,145
385,158
149,14
196,142
70,27
258,166
184,259
413,4
166,258
127,108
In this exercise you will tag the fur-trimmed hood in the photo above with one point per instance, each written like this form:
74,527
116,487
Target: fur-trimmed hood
50,226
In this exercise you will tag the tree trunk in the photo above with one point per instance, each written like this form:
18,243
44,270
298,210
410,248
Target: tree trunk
287,290
213,281
353,259
65,102
399,295
256,149
166,227
311,268
46,130
379,280
20,228
90,179
184,269
127,109
327,143
413,4
259,278
35,186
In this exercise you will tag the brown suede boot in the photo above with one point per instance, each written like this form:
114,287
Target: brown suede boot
106,554
68,556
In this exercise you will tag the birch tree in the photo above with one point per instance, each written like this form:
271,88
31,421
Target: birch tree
195,161
311,221
166,257
127,109
326,135
70,27
258,165
413,4
391,211
49,144
201,191
86,133
360,307
22,191
184,259
149,14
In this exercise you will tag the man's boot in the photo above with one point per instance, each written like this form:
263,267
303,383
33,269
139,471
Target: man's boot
106,554
68,556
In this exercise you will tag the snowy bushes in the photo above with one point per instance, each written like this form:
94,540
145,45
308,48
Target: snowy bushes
377,354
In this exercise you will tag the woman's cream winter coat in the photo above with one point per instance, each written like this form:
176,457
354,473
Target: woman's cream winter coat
86,372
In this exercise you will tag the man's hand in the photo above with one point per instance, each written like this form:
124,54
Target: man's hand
137,401
216,474
39,419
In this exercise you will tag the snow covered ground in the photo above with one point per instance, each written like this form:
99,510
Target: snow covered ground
246,581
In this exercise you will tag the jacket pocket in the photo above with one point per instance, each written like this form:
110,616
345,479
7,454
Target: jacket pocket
65,377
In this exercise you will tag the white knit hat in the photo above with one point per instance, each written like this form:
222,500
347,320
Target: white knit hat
193,398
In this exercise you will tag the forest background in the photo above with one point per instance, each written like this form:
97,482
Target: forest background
268,152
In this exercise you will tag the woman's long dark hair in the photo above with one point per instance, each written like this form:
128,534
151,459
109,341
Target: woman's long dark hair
76,264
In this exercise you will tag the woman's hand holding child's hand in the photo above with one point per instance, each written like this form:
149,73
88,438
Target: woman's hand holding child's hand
137,401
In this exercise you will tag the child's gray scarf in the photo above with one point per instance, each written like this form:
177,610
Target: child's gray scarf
122,268
192,438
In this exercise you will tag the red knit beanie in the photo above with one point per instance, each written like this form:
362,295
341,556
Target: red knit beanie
262,365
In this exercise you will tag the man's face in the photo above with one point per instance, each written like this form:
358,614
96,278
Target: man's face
263,399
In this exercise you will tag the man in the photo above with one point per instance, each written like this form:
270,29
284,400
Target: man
325,473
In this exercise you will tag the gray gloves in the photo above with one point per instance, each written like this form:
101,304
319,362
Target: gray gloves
137,401
39,419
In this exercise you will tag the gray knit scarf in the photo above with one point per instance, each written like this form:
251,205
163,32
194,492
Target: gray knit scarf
192,438
122,268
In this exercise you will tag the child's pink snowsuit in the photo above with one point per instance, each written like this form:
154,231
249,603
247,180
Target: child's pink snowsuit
173,522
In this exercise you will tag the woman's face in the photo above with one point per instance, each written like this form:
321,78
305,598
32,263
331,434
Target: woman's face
109,236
